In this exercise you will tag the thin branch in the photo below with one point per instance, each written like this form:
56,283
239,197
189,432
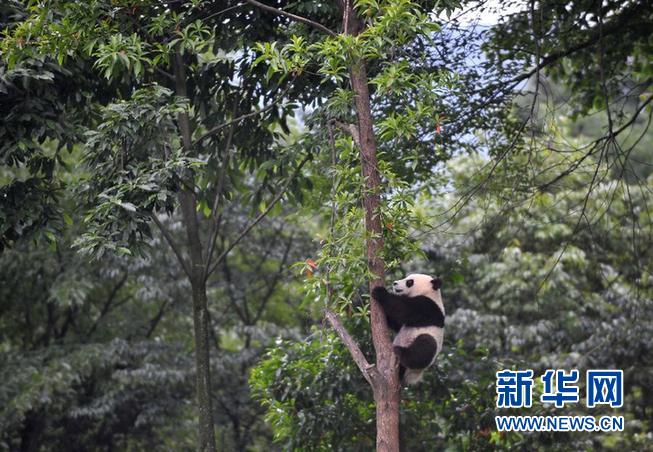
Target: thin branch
578,223
105,310
218,193
70,318
634,117
596,145
334,187
262,215
292,16
332,220
154,322
272,284
368,370
615,26
173,245
604,86
592,147
609,139
467,196
223,11
533,114
243,314
218,128
106,307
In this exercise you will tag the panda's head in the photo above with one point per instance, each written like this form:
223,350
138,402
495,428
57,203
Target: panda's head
417,284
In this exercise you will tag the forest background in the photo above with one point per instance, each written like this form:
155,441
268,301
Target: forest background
181,198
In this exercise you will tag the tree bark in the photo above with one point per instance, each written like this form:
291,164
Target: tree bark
30,436
386,388
197,269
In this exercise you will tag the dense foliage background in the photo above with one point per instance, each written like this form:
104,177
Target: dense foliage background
164,164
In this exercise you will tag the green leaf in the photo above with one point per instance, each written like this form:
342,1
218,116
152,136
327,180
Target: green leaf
128,206
123,250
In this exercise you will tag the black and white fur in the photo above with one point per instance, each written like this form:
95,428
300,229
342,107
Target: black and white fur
415,311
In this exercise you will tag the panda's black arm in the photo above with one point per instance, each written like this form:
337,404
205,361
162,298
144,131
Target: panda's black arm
393,306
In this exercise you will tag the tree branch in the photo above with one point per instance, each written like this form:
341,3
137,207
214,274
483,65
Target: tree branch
242,314
216,129
172,244
262,215
272,283
634,116
106,307
218,193
292,16
154,322
596,145
615,26
368,370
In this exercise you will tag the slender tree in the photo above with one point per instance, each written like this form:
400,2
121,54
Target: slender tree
169,130
370,35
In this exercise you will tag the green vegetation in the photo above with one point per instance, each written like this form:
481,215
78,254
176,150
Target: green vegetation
187,186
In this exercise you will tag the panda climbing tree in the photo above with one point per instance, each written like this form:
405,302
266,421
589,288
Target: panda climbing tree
414,310
374,188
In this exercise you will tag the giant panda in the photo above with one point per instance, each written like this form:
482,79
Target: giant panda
415,311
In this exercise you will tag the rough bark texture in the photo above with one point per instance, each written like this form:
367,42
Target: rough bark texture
385,381
386,388
188,203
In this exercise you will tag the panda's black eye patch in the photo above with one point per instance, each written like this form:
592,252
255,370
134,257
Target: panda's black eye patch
409,283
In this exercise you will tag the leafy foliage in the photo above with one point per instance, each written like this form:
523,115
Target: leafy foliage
138,168
542,235
299,383
93,394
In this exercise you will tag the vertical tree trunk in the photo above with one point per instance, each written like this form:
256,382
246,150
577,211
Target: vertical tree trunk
386,388
198,283
30,436
385,378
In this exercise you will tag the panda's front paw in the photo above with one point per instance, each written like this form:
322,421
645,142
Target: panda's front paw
379,293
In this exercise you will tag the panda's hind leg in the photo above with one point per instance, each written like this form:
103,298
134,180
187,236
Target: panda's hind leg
419,354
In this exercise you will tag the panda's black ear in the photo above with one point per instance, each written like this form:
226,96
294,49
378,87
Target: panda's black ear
437,283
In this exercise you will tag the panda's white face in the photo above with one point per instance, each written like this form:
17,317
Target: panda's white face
415,285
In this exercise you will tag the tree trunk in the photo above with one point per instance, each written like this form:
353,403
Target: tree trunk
386,387
30,436
198,283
